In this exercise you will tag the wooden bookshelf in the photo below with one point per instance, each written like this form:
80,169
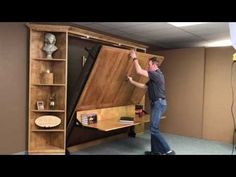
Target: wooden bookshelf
47,78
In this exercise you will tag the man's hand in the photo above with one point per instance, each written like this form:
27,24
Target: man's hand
132,54
137,84
130,79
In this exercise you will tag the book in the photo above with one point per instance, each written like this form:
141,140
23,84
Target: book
127,120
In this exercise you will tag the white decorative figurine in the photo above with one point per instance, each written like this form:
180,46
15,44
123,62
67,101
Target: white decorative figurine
49,44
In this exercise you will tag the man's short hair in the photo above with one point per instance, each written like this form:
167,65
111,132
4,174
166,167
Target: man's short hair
155,60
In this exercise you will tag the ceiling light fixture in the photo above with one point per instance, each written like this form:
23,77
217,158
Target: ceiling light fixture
181,24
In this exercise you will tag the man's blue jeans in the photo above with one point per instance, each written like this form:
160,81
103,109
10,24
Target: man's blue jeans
158,143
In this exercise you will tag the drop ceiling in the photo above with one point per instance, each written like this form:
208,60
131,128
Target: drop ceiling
163,34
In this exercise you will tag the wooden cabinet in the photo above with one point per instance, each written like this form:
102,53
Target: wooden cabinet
105,89
47,91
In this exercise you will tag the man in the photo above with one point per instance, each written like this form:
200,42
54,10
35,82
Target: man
156,91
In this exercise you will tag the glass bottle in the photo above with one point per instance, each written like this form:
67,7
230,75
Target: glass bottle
52,102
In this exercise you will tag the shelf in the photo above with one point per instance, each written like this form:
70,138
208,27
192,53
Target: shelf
47,130
47,111
47,148
45,141
109,118
50,85
110,124
52,60
42,93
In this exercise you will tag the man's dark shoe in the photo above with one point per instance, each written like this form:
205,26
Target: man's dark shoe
151,153
172,152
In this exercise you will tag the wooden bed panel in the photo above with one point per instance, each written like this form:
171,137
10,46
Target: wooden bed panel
114,78
107,85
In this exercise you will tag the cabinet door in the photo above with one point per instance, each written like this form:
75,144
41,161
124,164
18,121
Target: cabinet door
107,85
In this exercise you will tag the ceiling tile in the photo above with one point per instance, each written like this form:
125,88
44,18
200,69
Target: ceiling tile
163,34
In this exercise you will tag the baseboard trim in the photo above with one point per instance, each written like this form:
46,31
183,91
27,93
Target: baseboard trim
21,153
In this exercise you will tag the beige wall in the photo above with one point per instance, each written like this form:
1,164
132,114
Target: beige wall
13,87
199,92
184,73
218,122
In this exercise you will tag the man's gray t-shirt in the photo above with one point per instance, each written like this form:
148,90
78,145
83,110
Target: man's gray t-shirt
156,85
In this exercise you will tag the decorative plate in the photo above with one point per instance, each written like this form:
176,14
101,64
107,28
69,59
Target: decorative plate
47,121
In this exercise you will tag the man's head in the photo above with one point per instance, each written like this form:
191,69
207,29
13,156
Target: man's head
153,64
